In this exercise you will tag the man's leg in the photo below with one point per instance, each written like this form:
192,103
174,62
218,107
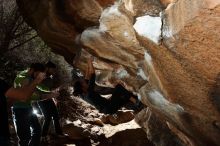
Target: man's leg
46,125
56,119
21,119
45,109
49,110
36,131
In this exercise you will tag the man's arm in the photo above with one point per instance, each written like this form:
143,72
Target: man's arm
24,92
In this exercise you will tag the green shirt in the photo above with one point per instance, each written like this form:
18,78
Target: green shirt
19,80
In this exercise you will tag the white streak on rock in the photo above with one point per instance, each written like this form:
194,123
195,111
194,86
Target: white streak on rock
159,101
121,73
142,74
148,58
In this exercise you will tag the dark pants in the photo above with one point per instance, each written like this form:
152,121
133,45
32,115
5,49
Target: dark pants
120,97
49,110
27,126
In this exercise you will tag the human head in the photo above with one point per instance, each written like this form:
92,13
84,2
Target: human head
80,87
35,69
50,68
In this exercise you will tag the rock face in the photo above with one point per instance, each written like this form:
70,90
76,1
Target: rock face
171,59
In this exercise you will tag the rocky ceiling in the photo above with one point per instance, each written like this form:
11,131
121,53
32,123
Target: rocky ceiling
168,51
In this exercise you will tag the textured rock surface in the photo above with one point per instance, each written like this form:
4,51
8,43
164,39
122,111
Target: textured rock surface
157,131
79,120
177,76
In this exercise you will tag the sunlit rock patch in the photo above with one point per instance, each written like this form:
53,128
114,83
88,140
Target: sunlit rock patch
149,27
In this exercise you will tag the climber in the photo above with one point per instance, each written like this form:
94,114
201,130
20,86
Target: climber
14,94
26,123
47,105
85,89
